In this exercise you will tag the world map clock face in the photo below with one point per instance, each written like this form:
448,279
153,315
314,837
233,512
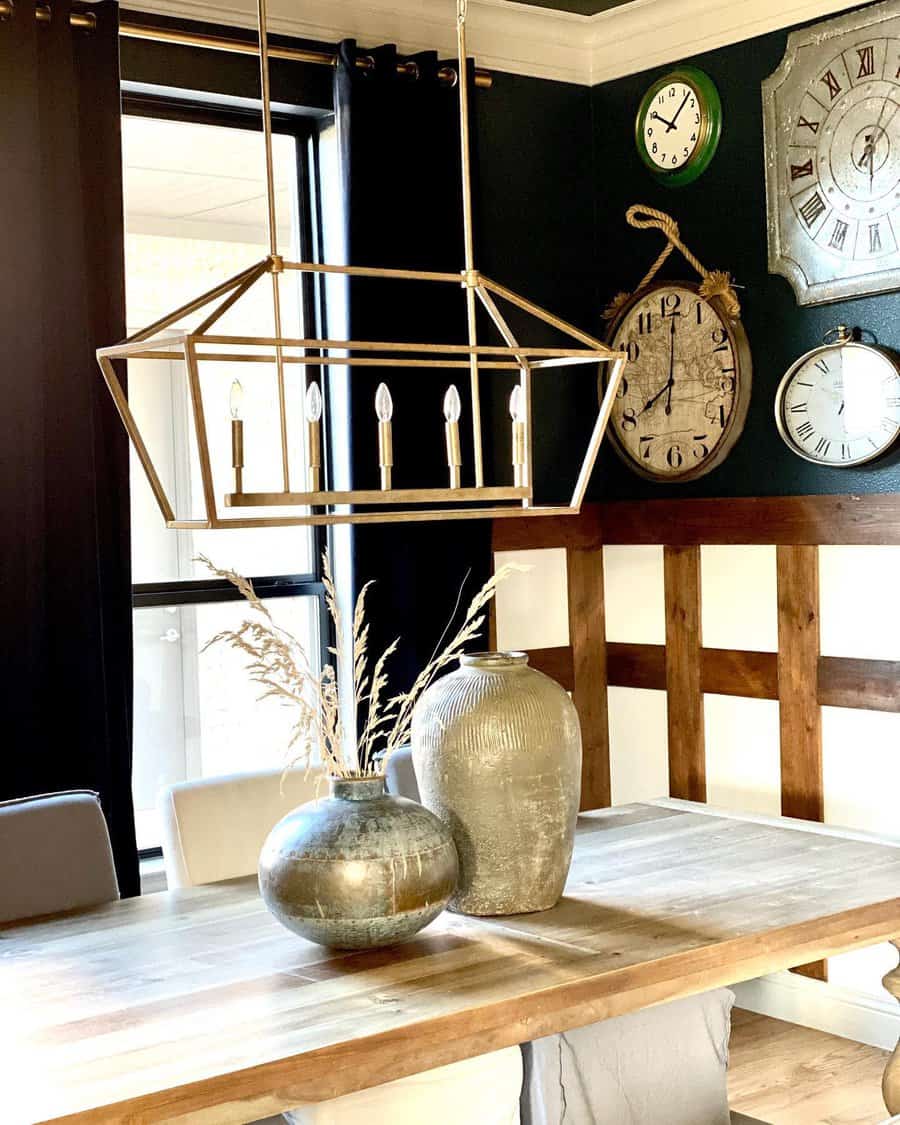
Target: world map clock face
683,394
833,159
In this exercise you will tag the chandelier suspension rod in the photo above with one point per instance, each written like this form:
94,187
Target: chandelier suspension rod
276,266
131,29
471,277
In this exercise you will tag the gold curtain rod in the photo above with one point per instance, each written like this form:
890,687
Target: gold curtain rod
129,30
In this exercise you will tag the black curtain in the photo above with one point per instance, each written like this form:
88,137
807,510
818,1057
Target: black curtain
66,583
399,143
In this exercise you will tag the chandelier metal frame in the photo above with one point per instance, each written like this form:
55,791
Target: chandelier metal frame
158,341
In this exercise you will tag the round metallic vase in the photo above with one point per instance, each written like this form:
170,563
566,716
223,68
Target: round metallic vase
358,869
497,754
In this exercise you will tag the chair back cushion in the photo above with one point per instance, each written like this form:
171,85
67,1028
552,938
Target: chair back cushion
400,775
54,855
214,829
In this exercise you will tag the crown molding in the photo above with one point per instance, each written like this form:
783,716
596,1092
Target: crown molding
519,38
503,36
648,33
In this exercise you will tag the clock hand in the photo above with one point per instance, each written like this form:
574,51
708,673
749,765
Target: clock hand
651,401
671,382
654,116
680,108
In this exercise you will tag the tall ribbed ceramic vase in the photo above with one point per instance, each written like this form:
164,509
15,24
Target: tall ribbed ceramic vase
497,753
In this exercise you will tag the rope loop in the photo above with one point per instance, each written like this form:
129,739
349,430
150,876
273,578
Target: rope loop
715,283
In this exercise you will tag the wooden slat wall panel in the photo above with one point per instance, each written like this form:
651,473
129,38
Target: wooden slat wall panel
687,746
802,787
753,675
872,685
789,520
798,671
637,666
587,637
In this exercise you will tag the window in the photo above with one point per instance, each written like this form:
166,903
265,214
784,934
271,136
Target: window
195,214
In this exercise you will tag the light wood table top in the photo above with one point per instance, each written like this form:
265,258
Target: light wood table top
197,1006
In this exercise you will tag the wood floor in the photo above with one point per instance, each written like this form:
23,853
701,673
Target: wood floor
789,1075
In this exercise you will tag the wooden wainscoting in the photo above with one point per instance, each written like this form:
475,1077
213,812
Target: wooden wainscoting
798,676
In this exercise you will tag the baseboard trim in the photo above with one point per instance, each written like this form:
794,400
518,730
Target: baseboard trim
839,1011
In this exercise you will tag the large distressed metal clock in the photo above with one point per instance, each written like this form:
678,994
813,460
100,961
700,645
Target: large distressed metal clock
832,135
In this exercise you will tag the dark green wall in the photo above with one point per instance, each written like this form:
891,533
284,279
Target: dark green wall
723,220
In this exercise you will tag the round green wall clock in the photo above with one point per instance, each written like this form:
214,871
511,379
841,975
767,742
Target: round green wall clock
678,125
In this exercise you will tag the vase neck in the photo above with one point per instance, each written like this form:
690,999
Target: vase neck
356,788
494,661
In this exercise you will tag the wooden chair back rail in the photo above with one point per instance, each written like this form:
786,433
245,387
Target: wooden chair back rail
797,675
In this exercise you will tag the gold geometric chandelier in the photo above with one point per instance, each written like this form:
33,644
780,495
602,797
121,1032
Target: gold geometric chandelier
242,509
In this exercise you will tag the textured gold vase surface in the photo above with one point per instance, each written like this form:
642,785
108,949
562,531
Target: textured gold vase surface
497,753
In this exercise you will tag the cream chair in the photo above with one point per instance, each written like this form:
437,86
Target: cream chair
214,829
55,855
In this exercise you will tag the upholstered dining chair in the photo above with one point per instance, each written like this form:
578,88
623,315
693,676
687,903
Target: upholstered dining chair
663,1064
214,829
55,855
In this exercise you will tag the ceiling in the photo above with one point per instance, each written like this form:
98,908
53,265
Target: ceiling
578,7
189,180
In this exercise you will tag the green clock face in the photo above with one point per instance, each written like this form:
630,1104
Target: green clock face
678,126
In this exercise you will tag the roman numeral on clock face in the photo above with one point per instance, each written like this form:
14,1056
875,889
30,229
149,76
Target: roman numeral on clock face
798,171
812,209
822,447
805,430
874,238
839,234
831,83
866,61
813,126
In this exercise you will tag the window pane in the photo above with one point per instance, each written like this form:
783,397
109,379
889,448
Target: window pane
195,215
197,714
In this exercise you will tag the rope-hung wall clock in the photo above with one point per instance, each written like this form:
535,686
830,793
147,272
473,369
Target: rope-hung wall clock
682,402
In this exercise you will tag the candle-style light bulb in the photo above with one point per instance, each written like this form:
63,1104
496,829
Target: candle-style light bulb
384,409
314,435
313,403
452,411
452,404
235,401
384,404
517,413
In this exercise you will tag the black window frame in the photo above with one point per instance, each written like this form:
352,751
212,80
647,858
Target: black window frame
180,592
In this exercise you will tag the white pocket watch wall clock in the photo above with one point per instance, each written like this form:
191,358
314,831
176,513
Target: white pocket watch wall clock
839,405
831,116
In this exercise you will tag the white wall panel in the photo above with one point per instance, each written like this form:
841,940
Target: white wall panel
743,769
860,611
635,595
638,745
739,598
861,766
533,608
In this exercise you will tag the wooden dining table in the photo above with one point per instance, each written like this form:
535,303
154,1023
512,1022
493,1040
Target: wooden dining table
197,1006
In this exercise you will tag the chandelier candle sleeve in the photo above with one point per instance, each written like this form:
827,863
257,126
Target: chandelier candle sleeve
452,411
517,413
314,435
236,398
384,409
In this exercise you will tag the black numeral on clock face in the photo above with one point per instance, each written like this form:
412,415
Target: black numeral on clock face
813,126
670,305
831,84
822,447
822,365
866,61
805,431
839,234
798,171
845,451
645,323
799,408
812,209
874,238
